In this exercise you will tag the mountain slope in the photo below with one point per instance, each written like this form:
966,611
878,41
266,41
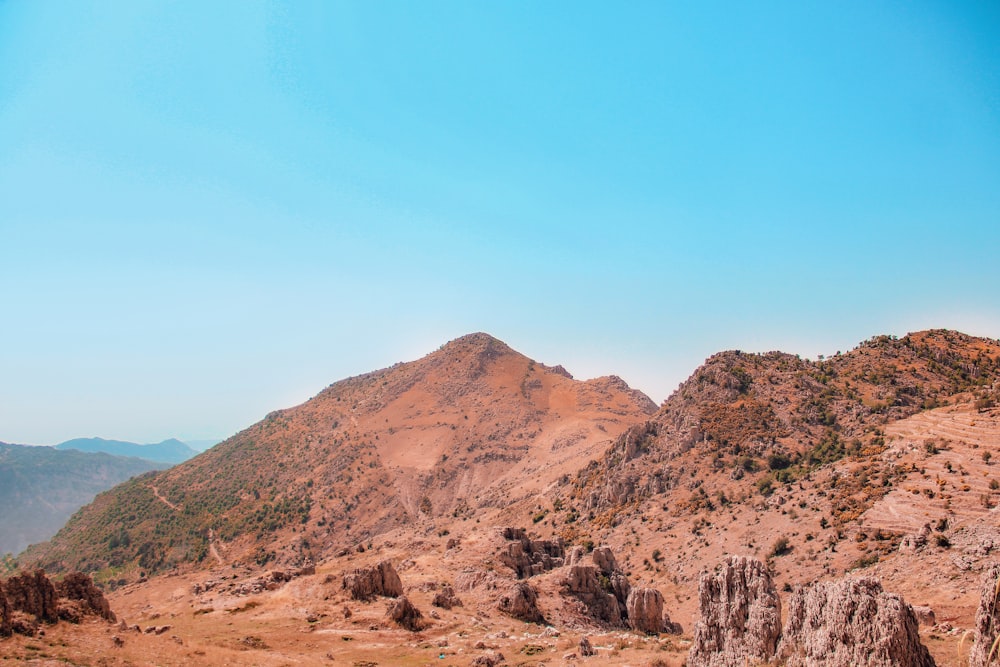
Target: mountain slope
469,430
41,487
169,451
772,412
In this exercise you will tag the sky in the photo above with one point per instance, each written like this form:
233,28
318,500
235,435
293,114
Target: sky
209,211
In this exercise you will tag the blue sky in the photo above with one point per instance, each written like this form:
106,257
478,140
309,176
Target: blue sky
212,210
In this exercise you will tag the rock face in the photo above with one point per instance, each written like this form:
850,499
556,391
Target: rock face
987,620
583,583
5,610
79,587
521,602
740,616
645,612
851,622
530,557
369,582
403,613
602,587
33,594
446,598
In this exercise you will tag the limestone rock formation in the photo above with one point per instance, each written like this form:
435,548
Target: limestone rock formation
740,616
80,587
446,598
987,620
33,594
645,610
602,586
851,622
402,612
367,583
530,557
583,583
521,602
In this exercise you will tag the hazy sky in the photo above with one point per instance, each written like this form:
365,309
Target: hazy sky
212,210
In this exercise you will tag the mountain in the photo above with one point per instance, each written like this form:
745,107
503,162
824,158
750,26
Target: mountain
482,474
473,429
169,451
41,487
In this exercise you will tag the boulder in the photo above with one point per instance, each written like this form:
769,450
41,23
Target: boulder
33,593
925,615
987,620
851,622
80,587
740,616
521,602
604,560
367,583
586,648
402,612
488,659
446,598
645,610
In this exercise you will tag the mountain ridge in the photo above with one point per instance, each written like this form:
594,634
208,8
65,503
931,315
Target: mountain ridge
169,451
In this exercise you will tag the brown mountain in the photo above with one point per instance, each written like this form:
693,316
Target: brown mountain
472,429
465,468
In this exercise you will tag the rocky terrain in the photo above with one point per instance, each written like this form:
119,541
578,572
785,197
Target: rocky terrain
477,505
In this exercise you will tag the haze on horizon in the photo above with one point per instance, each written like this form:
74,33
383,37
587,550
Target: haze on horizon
208,212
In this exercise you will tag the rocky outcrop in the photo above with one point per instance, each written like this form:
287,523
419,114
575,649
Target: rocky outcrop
645,612
402,612
521,602
446,598
987,621
488,659
33,593
583,583
914,542
366,583
530,557
851,622
740,616
5,613
830,624
601,586
80,588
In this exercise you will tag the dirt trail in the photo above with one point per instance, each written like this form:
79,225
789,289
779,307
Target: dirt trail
156,492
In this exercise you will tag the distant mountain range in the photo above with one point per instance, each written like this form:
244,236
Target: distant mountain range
170,451
41,487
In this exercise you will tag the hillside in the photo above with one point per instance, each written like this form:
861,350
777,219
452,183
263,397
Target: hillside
469,431
169,451
879,461
40,488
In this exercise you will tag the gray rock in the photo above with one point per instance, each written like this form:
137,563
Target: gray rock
521,602
645,610
987,620
851,622
368,582
402,612
740,616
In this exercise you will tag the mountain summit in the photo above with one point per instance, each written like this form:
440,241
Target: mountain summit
472,429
